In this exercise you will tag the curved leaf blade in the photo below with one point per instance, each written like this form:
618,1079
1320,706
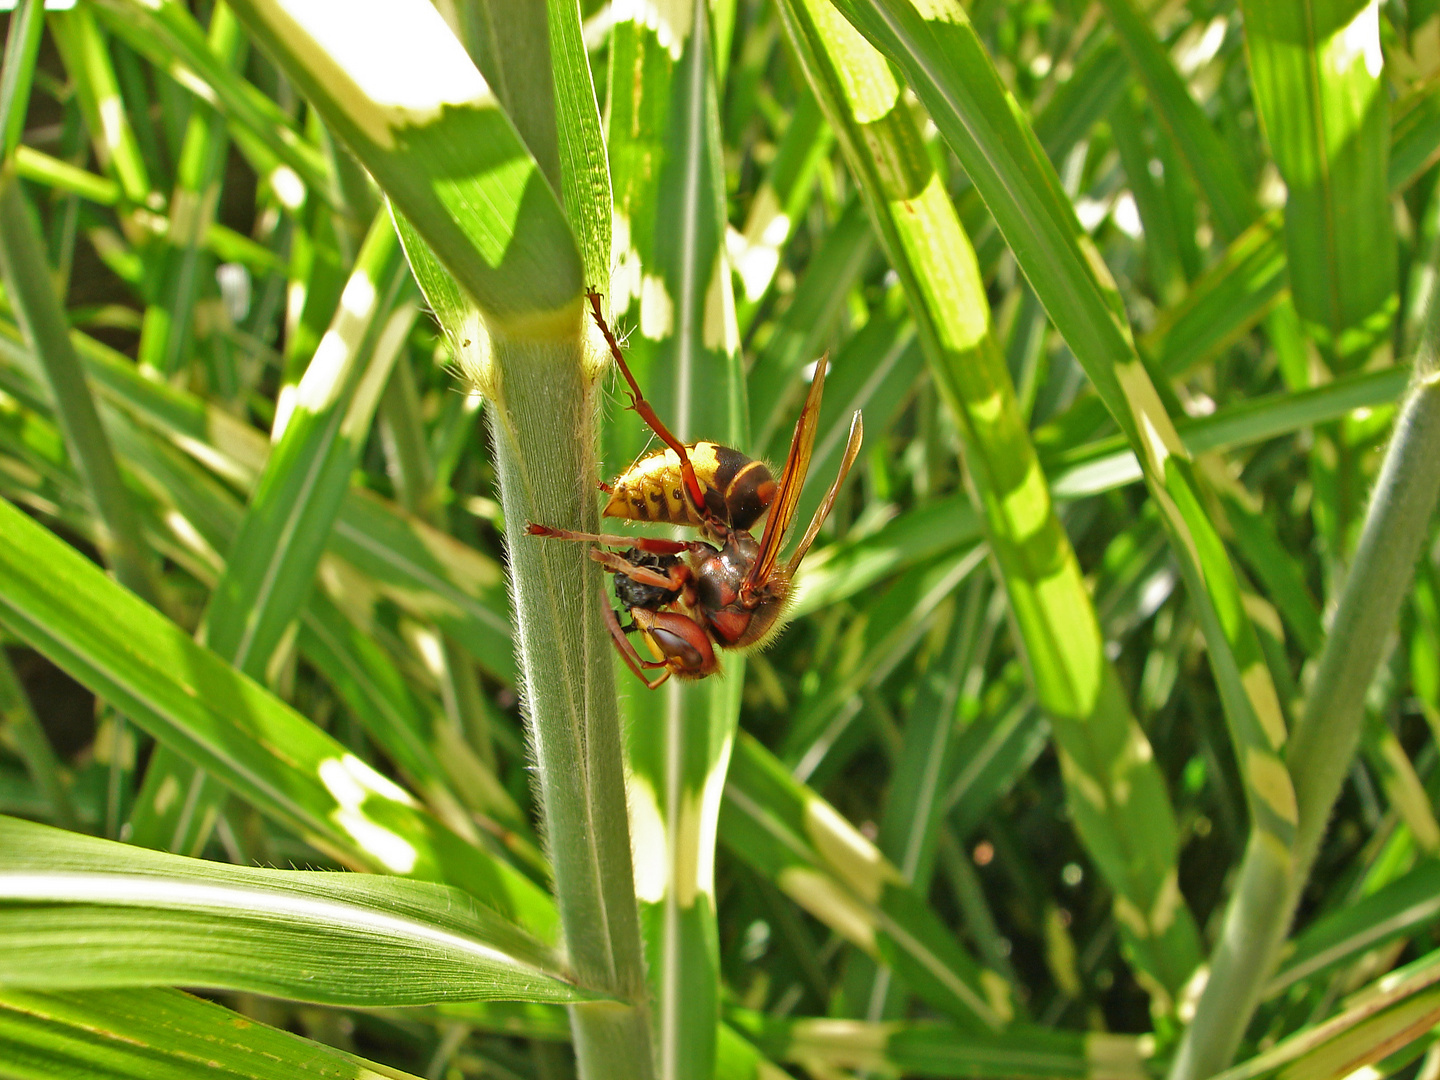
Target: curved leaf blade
78,912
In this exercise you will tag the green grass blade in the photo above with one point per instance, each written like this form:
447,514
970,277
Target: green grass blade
953,76
1328,731
429,752
28,286
279,542
316,278
423,121
736,1057
170,38
82,913
157,151
1316,68
83,48
773,383
431,575
1389,1013
850,567
1059,632
780,199
299,495
1100,76
672,278
997,750
797,840
414,475
422,570
928,1049
426,750
893,623
406,449
584,170
20,732
159,1035
1246,282
260,748
1285,585
1415,133
875,373
1206,156
553,106
1402,908
910,825
224,243
34,165
1224,304
1162,231
165,335
1097,466
1403,788
22,46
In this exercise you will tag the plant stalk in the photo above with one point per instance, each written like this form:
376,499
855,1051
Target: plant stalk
1328,732
543,427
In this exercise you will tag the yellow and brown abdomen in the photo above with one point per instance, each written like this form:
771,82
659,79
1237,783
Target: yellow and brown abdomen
737,489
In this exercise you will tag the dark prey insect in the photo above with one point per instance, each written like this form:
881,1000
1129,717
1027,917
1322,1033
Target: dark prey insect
727,589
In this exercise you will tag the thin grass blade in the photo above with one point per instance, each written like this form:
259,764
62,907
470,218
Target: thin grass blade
256,745
1317,71
181,259
921,1049
949,69
22,46
909,828
796,839
1204,152
158,1035
282,537
28,286
173,40
672,280
83,49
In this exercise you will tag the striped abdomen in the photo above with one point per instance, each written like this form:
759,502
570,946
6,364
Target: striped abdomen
737,489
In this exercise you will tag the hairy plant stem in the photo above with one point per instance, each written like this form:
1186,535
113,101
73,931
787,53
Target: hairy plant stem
543,427
1268,888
